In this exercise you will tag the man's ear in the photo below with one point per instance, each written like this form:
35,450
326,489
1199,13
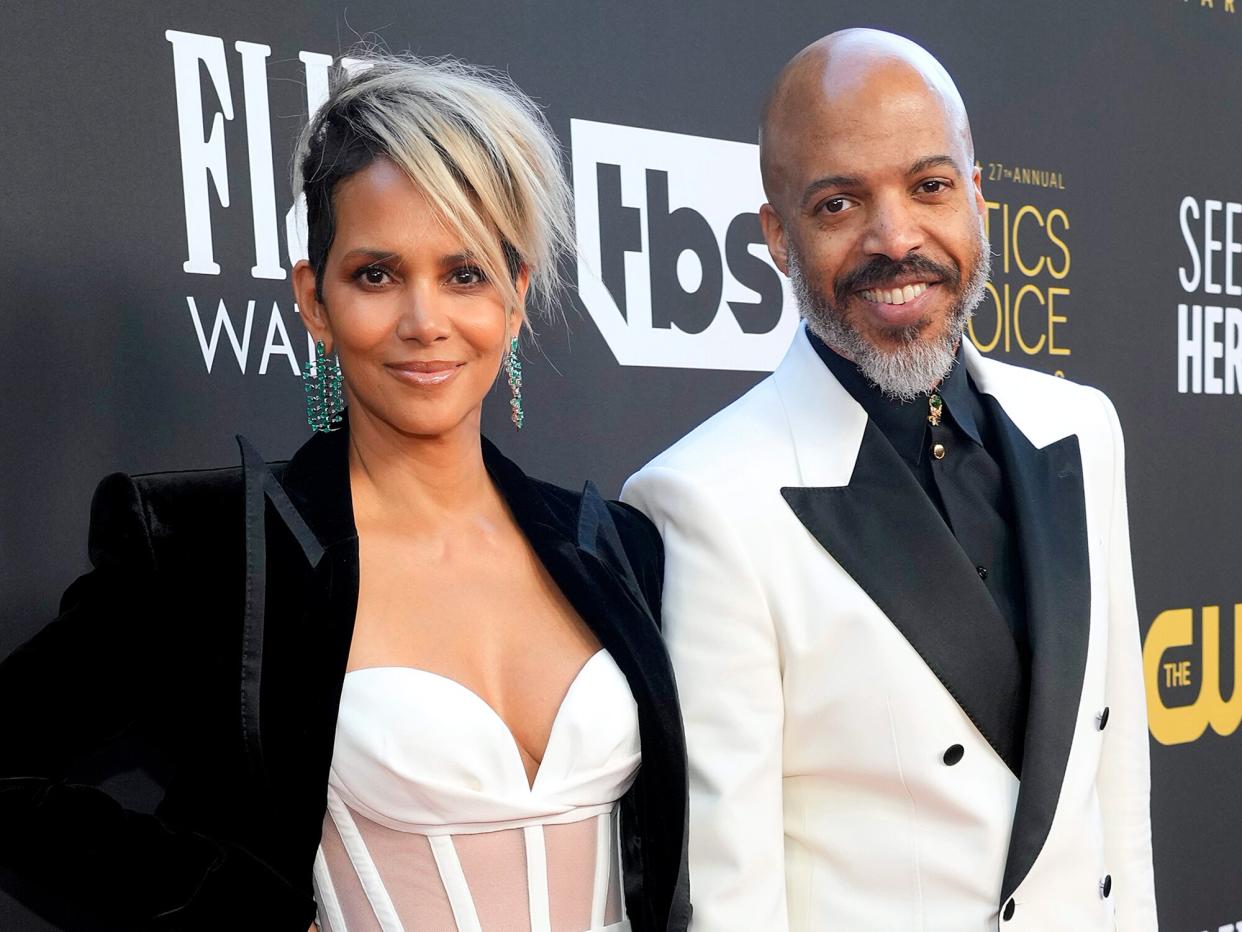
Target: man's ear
774,234
314,315
976,179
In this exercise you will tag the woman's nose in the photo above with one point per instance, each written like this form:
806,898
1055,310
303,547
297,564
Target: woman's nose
424,317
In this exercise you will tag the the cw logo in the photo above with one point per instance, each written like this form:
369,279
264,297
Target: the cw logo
1169,663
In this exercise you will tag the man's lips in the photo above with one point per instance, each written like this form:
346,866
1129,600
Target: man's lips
425,372
899,305
897,291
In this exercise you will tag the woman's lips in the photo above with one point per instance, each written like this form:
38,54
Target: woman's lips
435,372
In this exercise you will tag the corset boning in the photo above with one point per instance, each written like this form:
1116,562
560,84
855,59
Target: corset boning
432,825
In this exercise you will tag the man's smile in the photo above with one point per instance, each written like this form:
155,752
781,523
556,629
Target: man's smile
898,294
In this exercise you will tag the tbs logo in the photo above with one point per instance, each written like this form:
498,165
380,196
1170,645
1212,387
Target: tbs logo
672,265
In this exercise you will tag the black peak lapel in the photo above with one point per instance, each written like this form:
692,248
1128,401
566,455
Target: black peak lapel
301,588
598,536
260,485
884,531
595,527
317,481
1047,489
579,545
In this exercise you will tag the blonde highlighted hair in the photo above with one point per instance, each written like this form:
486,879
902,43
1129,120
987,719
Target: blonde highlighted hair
478,148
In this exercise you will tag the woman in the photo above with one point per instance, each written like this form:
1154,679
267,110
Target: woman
401,684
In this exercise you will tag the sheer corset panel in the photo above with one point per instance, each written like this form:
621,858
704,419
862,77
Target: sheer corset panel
433,825
555,877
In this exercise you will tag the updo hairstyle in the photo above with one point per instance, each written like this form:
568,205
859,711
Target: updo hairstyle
478,148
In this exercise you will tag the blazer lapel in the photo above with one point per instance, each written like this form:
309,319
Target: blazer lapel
301,590
1047,490
308,502
858,499
1043,469
884,531
584,555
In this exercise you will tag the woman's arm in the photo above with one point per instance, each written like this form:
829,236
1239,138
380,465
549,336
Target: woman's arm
83,681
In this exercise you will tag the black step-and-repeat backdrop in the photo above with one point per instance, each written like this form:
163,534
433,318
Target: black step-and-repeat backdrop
148,232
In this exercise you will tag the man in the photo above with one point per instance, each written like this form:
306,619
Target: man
898,590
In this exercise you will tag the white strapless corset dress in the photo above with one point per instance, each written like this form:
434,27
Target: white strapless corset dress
432,825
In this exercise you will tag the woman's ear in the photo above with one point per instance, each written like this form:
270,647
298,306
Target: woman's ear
314,314
517,317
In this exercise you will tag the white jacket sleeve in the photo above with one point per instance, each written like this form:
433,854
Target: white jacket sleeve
1124,776
726,655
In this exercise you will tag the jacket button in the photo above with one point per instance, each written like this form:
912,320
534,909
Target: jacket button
1009,908
982,571
954,754
1101,720
1106,886
937,450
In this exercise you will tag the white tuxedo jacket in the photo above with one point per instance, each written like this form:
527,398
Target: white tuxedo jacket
849,686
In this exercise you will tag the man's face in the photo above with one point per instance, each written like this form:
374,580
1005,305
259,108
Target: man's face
880,226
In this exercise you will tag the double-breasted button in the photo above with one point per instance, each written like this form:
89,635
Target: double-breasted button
1009,910
938,450
1106,886
954,754
1101,720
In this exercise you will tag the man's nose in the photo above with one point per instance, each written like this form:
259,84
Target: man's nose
425,315
893,230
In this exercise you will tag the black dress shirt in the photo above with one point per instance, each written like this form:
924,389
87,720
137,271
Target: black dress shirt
958,465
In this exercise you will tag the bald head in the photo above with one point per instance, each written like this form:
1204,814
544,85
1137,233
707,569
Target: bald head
828,88
875,207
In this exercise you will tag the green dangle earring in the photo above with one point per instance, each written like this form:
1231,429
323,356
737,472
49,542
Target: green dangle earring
513,366
322,380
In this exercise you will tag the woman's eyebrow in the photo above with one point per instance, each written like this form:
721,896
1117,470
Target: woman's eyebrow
375,255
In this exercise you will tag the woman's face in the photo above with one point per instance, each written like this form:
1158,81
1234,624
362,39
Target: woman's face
419,330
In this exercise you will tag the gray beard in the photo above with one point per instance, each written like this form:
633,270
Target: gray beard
917,365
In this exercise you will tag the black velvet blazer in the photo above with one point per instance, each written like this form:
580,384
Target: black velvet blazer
215,627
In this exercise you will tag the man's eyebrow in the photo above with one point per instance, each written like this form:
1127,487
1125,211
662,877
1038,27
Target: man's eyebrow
931,161
853,181
830,181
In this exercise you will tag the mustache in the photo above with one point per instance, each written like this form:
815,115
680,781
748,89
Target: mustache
879,269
